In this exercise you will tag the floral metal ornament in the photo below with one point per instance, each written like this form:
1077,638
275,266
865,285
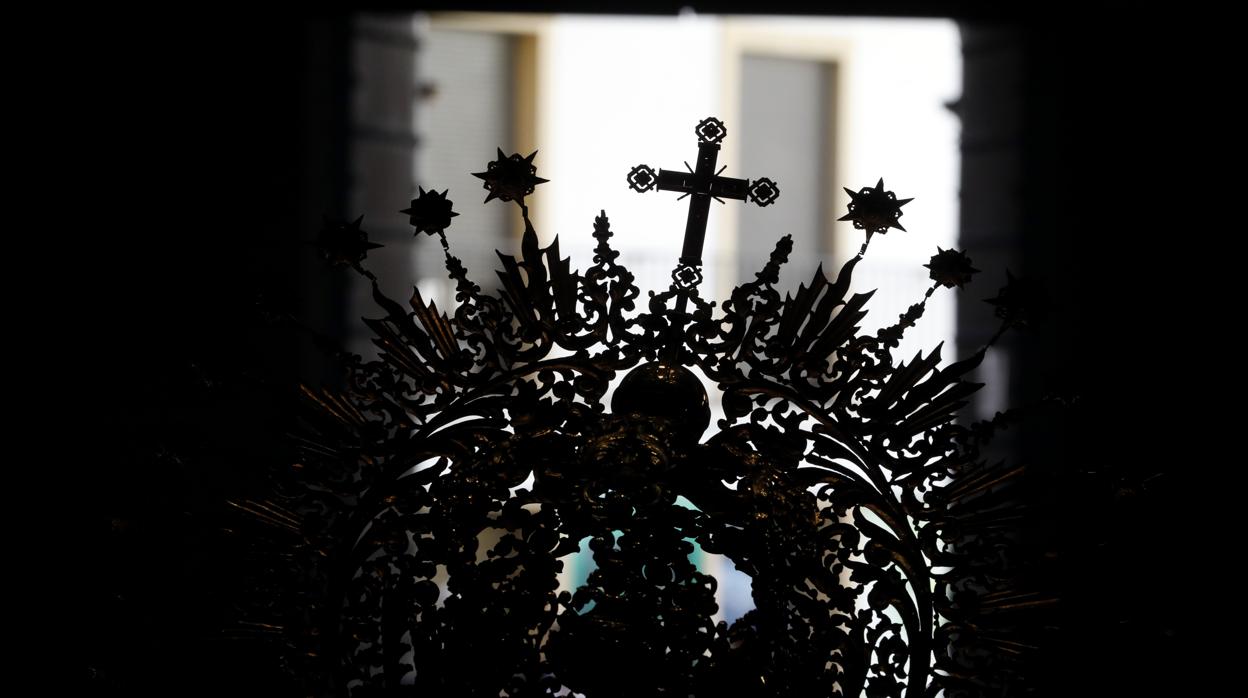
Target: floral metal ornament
951,268
874,209
430,212
344,244
436,499
510,177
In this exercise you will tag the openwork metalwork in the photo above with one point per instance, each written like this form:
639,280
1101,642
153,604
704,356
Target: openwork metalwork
874,209
764,192
710,130
643,178
437,498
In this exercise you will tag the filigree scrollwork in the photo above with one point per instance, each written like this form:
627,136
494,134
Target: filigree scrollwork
438,497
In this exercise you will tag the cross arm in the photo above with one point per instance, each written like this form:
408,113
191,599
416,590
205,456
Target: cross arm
694,183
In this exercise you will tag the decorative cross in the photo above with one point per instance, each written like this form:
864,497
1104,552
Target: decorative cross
704,184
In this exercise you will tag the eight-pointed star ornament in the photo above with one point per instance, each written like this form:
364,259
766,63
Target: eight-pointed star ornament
874,209
344,244
510,177
950,268
430,212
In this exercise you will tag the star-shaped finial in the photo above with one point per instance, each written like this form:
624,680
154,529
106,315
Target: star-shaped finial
344,244
430,212
951,268
874,210
510,178
1020,302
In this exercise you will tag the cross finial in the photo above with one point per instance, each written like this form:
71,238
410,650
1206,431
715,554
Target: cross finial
702,183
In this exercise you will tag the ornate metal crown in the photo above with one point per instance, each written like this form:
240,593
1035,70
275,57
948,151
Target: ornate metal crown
436,499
